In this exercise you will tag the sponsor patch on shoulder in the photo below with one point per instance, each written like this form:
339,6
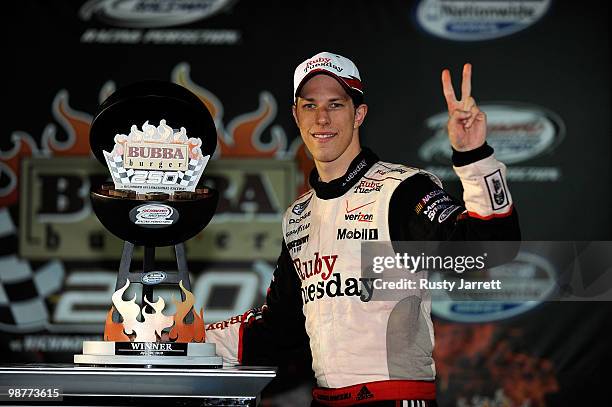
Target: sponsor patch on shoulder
298,208
497,190
436,205
446,213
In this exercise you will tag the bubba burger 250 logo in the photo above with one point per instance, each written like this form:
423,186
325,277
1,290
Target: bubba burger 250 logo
156,159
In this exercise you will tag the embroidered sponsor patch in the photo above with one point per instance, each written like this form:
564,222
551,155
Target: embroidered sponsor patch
388,170
299,207
498,194
365,187
296,245
436,205
351,215
357,234
447,212
301,218
300,229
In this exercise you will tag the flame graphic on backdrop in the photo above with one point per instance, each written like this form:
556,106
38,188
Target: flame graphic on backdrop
243,135
154,323
241,138
180,76
23,146
75,125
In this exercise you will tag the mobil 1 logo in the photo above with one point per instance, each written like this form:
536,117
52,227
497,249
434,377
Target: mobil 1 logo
357,234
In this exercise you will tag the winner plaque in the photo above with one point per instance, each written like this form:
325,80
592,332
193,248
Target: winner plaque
156,139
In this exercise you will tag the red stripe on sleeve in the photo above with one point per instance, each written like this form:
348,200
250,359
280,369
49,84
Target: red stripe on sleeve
492,216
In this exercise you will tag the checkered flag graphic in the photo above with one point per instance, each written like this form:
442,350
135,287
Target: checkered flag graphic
22,289
117,169
191,176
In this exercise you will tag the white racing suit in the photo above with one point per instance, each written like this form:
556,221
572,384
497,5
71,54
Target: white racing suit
317,299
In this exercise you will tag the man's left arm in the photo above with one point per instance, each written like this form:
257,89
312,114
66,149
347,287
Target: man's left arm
489,212
420,209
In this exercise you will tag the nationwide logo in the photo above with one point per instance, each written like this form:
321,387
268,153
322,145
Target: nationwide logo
365,187
301,218
296,244
334,287
468,20
357,234
359,216
517,132
299,207
522,297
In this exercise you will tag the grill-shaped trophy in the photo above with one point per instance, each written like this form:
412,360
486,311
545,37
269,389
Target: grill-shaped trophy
156,139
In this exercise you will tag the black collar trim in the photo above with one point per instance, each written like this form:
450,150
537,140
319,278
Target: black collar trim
339,186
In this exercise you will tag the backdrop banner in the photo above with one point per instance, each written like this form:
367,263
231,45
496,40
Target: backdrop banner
541,72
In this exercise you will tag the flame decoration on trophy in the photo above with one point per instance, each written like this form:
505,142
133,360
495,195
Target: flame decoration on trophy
150,330
156,159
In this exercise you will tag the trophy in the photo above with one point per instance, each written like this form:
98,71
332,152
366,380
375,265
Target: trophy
156,139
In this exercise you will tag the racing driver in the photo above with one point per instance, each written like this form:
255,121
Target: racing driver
361,353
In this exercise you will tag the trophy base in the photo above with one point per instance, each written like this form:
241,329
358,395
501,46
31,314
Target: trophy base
149,354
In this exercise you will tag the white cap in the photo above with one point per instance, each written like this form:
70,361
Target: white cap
337,66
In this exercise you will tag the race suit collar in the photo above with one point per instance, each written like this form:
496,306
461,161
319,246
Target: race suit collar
339,186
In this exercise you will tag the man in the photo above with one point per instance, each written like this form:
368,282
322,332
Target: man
359,355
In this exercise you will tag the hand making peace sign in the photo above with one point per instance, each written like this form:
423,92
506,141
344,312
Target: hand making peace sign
467,125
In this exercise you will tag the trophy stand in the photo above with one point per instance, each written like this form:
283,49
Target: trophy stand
148,266
150,354
148,357
154,201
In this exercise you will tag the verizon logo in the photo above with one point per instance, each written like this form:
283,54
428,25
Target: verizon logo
359,216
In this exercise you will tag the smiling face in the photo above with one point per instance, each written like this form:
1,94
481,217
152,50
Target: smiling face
329,124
